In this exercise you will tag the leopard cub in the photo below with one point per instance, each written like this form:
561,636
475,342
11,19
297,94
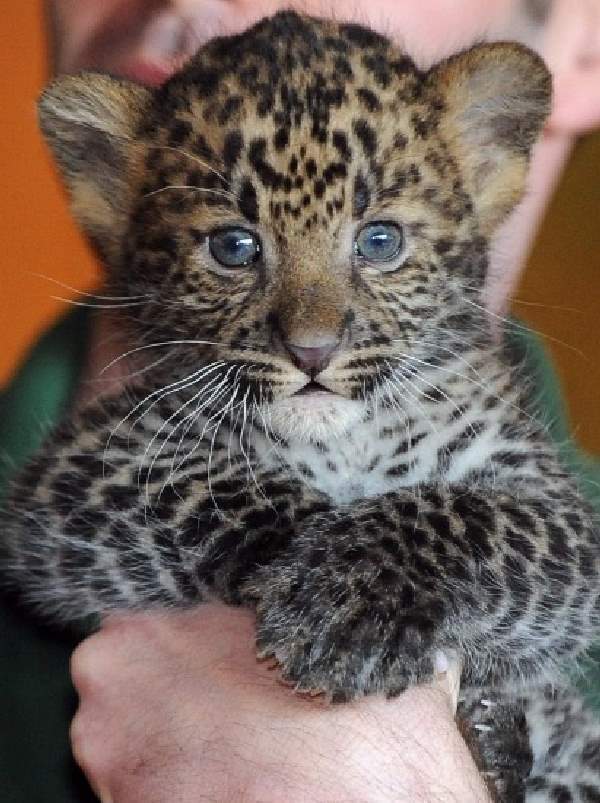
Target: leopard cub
321,423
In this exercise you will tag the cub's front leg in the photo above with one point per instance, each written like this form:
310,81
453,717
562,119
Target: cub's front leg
363,597
133,511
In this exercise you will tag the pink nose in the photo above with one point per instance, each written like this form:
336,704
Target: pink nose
311,360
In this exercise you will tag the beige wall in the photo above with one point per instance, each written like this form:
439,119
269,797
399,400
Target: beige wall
37,236
563,277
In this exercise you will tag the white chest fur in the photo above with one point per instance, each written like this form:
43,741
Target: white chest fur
392,449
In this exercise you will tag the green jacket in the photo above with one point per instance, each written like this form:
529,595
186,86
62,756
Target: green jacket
37,699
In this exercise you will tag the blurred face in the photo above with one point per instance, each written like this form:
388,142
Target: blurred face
147,39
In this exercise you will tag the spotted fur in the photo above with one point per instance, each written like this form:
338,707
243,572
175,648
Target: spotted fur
413,504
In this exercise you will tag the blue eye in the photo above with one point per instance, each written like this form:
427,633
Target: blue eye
234,248
380,242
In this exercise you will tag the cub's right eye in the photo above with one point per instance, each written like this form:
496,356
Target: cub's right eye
233,247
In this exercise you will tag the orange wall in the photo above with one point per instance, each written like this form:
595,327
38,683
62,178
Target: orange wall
38,236
36,233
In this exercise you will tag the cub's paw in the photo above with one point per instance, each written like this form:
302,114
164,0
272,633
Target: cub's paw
333,632
496,731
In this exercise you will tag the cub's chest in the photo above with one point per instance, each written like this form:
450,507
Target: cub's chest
377,456
385,453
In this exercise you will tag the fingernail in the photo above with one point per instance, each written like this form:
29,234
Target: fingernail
105,797
440,663
447,677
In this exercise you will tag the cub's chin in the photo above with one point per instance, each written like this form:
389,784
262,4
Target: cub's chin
313,417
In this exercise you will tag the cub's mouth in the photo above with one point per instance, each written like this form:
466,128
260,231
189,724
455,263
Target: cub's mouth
312,414
312,387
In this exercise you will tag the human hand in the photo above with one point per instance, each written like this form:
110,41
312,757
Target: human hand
176,707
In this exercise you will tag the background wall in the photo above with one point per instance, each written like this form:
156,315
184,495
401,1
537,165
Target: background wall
36,232
559,295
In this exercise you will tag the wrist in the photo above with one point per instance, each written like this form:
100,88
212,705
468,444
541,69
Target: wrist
183,697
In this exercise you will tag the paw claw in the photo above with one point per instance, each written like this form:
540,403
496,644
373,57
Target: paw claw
303,691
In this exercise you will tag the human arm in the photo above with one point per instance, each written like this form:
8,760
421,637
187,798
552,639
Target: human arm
176,707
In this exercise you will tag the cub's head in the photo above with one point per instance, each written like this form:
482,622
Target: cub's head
302,202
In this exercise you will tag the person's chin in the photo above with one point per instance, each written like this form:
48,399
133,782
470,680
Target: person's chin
320,416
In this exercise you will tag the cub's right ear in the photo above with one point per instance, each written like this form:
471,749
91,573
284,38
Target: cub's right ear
90,122
498,97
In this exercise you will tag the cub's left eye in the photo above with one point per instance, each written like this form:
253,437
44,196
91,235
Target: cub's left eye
380,242
234,248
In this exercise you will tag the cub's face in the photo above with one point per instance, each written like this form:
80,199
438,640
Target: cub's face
302,202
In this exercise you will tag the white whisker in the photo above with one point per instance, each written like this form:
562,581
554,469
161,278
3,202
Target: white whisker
521,328
222,193
193,158
154,438
400,356
202,405
158,395
86,294
191,379
145,370
89,305
225,410
399,381
159,345
419,375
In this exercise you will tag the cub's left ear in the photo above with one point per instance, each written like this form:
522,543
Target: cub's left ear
497,98
90,122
